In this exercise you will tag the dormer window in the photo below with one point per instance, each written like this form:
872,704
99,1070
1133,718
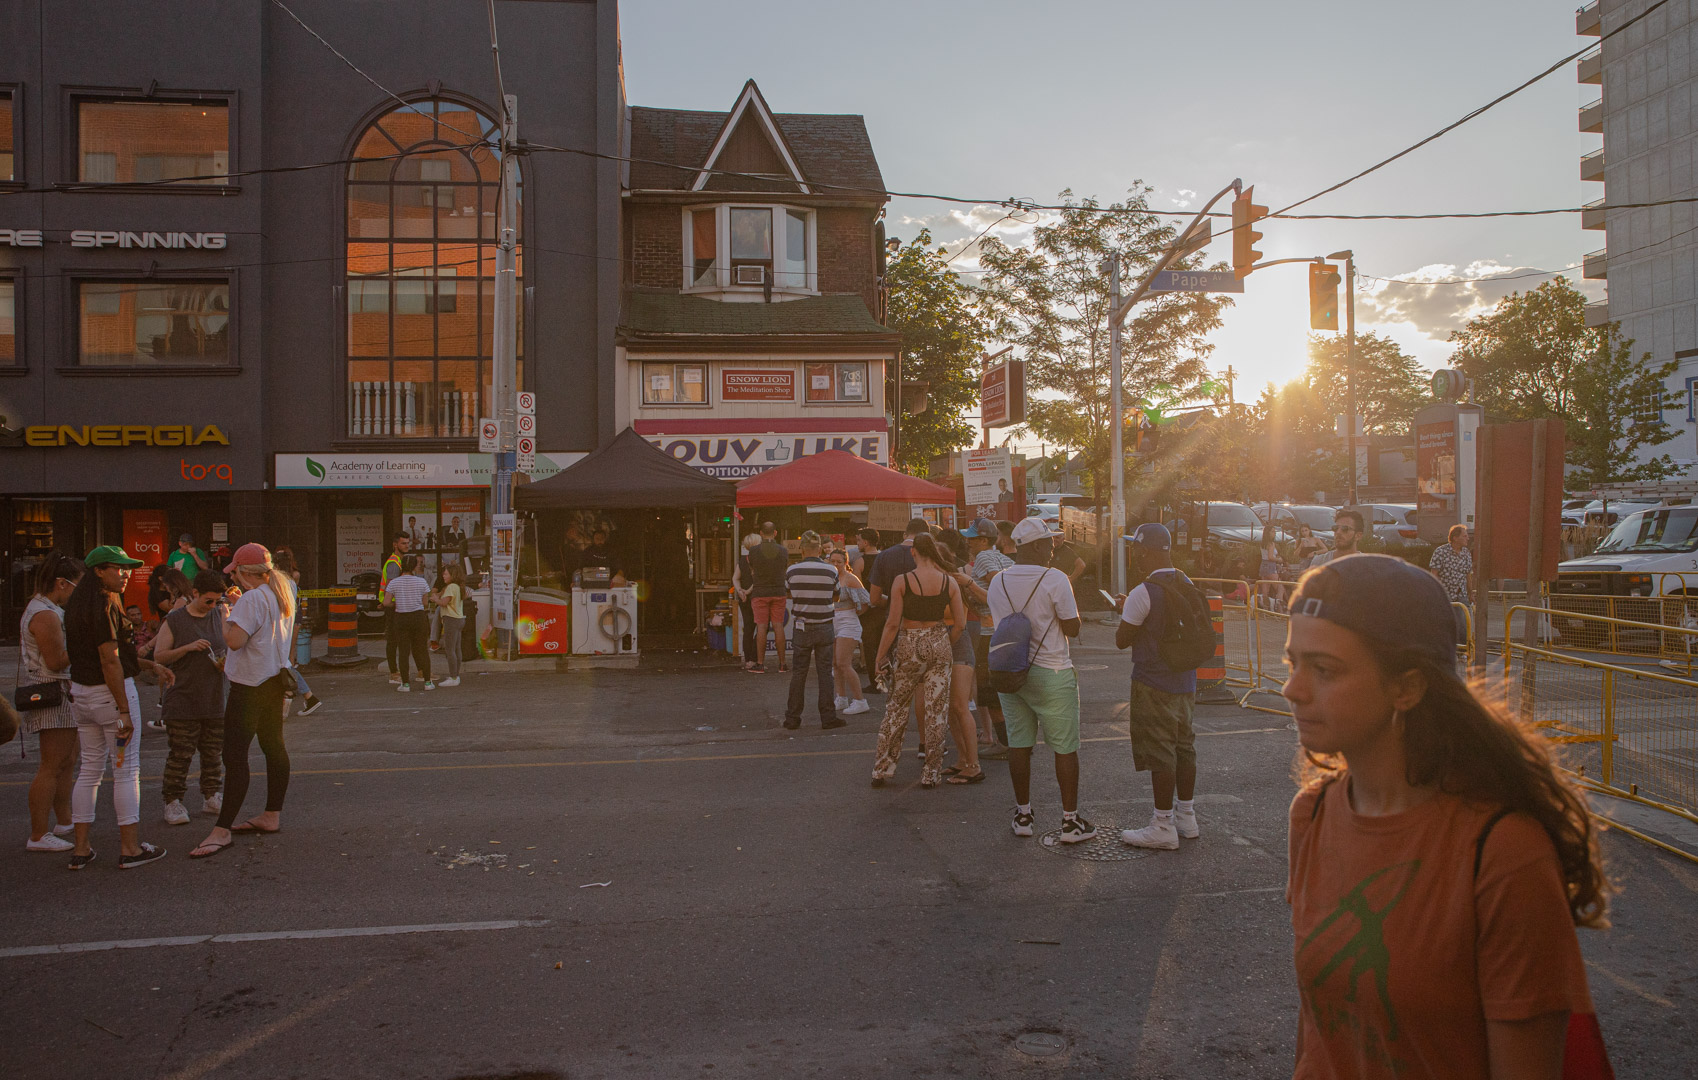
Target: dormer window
732,249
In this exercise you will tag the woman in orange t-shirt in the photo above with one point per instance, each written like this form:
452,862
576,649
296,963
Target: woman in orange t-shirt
1439,864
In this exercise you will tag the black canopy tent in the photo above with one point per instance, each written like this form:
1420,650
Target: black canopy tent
629,473
678,556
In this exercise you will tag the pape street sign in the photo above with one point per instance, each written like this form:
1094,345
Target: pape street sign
1196,281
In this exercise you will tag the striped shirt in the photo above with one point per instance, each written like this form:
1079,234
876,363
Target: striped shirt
408,592
812,585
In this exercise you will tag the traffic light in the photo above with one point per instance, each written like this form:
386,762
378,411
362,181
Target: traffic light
1244,214
1323,296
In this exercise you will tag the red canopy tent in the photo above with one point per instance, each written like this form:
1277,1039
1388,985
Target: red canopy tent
837,476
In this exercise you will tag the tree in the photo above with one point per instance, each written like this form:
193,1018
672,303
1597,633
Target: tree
1050,300
943,332
1390,386
1534,356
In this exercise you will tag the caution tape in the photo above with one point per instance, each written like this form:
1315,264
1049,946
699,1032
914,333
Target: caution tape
321,594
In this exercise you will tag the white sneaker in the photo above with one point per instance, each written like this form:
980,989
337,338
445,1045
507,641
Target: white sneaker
841,702
855,708
394,676
1157,834
1186,823
64,830
176,813
404,688
214,804
429,685
451,681
48,842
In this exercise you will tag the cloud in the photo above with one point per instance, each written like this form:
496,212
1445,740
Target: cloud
1459,293
1184,201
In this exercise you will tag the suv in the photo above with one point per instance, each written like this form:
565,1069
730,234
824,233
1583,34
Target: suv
1652,554
1287,517
1391,523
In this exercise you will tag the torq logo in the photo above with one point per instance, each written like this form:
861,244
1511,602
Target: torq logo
145,548
201,472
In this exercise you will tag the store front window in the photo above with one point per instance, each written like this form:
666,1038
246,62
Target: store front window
441,524
35,528
421,273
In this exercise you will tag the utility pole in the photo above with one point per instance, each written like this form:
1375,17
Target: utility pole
1349,258
504,374
1117,439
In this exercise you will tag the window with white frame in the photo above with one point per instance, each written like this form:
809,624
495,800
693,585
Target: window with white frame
1649,405
836,383
675,384
749,247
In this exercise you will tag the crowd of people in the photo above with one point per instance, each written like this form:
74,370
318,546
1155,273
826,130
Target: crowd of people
218,649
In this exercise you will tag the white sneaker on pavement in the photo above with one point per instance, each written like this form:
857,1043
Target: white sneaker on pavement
48,842
840,702
855,708
64,830
176,813
214,804
1186,823
1158,834
453,681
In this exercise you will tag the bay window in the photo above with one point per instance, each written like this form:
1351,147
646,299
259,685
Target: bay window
733,247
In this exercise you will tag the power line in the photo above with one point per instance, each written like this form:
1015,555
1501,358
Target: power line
1570,58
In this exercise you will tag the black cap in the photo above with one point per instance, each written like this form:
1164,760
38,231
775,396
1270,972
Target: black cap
1393,604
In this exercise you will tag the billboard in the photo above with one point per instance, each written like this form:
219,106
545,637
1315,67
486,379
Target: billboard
988,478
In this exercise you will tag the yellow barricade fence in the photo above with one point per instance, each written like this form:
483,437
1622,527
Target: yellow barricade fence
1665,598
1673,644
1270,603
1630,732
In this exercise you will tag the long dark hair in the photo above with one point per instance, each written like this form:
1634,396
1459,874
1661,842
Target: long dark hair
164,586
956,544
89,602
57,565
1462,741
926,546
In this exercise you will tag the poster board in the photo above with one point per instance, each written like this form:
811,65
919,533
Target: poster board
359,543
987,478
888,516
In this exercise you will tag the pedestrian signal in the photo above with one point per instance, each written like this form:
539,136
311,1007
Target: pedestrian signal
1323,296
1244,214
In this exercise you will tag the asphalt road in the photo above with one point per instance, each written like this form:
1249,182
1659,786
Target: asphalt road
615,874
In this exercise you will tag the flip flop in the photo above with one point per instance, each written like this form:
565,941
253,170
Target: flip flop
960,779
207,851
250,827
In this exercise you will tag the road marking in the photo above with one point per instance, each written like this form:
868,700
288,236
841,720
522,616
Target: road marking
268,935
1629,985
220,1058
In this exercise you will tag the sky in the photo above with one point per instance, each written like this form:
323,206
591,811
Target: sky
991,100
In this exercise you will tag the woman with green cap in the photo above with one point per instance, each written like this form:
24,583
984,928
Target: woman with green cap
103,698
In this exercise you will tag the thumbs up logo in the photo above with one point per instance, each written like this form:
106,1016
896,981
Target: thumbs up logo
778,452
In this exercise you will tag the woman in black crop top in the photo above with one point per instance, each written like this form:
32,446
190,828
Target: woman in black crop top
918,647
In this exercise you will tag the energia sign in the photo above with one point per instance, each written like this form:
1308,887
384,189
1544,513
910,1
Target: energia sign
122,435
120,238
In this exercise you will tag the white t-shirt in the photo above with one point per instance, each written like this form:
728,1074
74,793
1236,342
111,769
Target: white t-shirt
1050,603
267,650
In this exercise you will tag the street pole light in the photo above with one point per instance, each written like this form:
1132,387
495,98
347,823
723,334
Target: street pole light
504,374
1349,258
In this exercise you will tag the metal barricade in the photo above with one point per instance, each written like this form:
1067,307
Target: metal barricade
1667,598
1465,648
1673,644
1628,732
1237,631
1270,604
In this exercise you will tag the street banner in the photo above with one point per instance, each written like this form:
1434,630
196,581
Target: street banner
402,469
144,539
988,478
1002,395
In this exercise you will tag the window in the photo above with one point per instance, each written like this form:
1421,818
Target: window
675,384
151,142
141,323
837,383
421,213
8,321
1648,407
749,247
8,140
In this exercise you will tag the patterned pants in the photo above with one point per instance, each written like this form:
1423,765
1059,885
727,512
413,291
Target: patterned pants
205,735
921,661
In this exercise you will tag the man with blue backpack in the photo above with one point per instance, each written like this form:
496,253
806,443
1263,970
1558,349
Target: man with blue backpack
1167,624
1031,669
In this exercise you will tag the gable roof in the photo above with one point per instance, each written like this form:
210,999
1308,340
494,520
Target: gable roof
749,115
832,153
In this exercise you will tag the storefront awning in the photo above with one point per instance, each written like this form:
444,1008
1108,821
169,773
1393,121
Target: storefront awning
836,476
628,473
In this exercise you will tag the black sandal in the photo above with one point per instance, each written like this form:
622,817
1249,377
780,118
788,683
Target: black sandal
960,778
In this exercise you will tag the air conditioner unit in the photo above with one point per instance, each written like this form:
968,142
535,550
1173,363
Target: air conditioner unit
751,275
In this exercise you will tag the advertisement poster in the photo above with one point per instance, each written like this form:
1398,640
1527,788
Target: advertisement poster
462,518
502,548
359,544
144,539
988,477
1435,467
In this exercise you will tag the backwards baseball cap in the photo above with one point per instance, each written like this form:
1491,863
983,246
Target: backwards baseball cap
110,555
1393,604
1152,535
1028,530
250,557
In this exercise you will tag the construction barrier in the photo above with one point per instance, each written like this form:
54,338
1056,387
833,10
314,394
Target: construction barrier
1270,618
1666,598
1673,645
1232,628
1628,732
1465,648
344,626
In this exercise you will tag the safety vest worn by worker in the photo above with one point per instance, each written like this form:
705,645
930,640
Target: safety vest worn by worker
394,560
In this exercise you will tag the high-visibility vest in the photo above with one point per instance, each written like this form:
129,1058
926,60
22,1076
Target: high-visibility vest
383,586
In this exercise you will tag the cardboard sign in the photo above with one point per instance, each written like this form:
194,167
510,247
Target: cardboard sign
757,384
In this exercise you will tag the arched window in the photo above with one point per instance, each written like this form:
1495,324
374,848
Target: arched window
421,272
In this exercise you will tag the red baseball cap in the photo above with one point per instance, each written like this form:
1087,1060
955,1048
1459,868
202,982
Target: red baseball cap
250,557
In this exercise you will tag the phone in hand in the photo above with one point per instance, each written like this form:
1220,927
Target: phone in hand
1109,598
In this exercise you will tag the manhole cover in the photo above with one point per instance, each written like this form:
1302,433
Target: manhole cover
1104,847
1040,1044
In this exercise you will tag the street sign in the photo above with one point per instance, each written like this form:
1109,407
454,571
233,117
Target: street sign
527,400
489,436
526,424
527,453
1196,281
1002,395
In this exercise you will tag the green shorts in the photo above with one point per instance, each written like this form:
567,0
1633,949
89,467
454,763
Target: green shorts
1050,700
1162,738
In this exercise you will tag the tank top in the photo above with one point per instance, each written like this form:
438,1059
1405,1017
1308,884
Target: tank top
35,670
923,607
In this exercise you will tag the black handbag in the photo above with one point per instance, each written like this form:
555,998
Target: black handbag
47,695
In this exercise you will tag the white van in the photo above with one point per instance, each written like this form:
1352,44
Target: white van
1650,553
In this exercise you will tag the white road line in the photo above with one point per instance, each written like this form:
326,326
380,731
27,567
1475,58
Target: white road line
269,935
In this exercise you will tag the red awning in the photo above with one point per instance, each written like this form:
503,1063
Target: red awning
837,476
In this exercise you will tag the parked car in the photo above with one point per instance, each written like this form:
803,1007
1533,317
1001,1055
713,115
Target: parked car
1598,512
1391,523
1234,533
1048,513
1288,516
1082,502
